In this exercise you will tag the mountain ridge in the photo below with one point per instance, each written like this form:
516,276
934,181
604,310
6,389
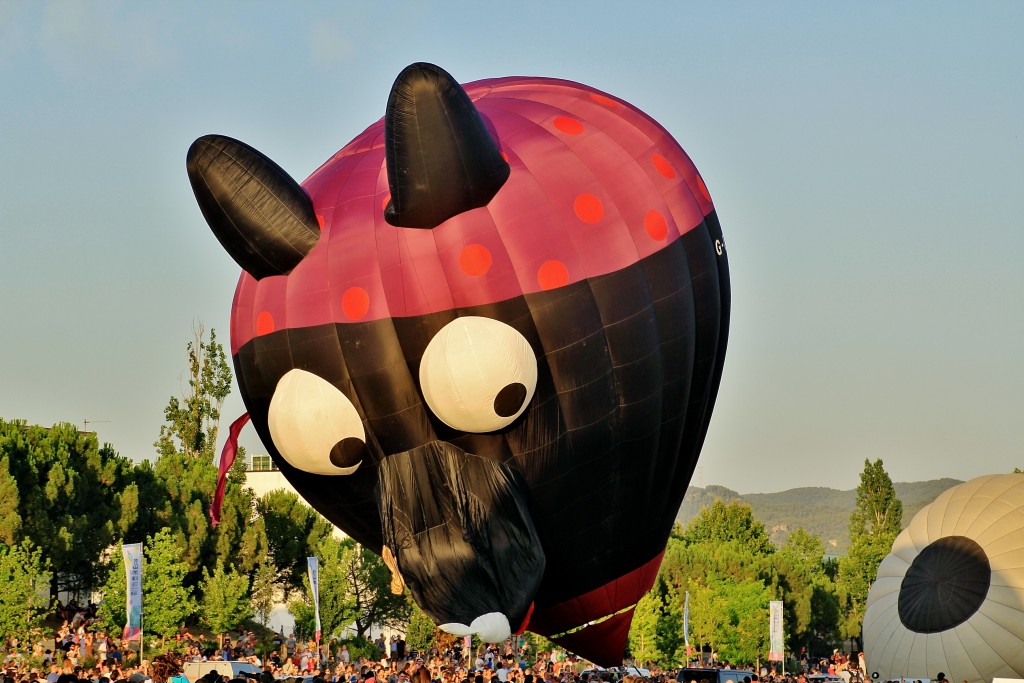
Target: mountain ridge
820,510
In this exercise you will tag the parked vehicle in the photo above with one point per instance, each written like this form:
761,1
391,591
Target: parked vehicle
707,675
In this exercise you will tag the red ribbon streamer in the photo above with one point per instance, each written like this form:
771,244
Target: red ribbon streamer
227,459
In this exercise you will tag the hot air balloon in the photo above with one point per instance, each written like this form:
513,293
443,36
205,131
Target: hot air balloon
949,598
484,339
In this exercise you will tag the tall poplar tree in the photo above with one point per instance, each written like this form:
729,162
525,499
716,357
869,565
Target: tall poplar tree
187,474
874,524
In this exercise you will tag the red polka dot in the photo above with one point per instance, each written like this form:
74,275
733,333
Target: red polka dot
264,323
663,166
655,225
384,204
567,125
475,260
355,302
588,208
552,274
320,220
703,188
602,99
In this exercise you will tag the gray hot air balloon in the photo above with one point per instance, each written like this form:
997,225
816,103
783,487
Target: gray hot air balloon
949,598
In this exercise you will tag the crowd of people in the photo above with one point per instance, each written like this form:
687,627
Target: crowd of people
82,653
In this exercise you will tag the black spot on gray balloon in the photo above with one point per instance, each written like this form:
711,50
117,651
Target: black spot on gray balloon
945,585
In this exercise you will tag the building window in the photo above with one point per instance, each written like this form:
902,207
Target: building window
261,463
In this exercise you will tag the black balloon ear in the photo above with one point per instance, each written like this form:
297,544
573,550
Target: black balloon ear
441,158
261,216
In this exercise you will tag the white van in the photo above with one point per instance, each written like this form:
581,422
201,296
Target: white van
195,670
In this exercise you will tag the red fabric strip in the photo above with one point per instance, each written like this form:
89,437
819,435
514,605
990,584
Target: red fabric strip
227,459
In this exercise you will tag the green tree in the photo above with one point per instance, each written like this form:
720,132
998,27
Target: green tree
808,592
225,602
644,631
68,498
722,522
186,477
241,534
193,420
355,590
708,616
369,582
10,518
167,601
857,571
110,614
263,590
23,572
823,630
726,561
805,549
874,524
878,512
302,611
421,634
293,531
142,520
337,607
745,636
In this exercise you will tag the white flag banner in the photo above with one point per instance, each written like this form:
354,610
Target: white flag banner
775,631
132,553
313,565
686,623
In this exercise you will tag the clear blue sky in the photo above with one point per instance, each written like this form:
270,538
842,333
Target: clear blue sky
865,159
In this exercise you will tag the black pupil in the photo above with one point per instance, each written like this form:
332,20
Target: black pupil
946,584
510,399
347,452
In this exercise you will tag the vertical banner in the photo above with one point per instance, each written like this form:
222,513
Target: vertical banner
686,626
314,585
132,553
775,631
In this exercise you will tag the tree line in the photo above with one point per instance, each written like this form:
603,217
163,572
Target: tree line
67,503
727,563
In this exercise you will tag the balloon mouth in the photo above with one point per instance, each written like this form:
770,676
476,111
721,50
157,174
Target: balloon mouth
492,627
462,536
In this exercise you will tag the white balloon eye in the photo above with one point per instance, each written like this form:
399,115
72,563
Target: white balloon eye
314,426
478,374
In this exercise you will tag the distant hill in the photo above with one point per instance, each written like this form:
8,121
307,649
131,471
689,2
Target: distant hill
821,511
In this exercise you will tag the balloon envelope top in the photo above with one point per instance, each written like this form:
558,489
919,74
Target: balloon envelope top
484,339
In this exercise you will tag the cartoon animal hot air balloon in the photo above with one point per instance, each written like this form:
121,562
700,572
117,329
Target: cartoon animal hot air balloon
484,339
950,596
